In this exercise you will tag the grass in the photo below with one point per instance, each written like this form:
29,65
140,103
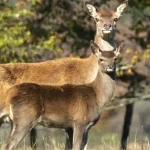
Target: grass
113,144
98,140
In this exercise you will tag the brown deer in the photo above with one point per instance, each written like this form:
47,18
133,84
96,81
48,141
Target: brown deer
66,106
105,24
62,71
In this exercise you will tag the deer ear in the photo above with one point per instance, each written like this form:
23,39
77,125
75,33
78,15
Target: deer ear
95,48
91,10
118,48
121,8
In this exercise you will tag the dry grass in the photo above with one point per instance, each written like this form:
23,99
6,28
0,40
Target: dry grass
131,146
103,145
98,140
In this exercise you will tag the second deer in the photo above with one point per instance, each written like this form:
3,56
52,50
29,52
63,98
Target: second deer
66,106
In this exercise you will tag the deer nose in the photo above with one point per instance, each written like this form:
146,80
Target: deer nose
107,26
111,66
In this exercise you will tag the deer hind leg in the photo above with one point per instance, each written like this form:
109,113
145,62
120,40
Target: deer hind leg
17,134
69,139
18,131
23,118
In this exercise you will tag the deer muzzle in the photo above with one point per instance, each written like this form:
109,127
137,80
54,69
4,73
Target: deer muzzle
111,68
107,28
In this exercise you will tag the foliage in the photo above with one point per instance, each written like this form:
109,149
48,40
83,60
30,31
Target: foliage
141,20
29,27
17,43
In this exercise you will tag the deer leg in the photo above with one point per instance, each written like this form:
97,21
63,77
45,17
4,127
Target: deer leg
85,135
33,136
18,132
1,122
23,118
84,140
126,126
69,139
78,136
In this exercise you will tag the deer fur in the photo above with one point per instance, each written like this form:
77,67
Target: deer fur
65,106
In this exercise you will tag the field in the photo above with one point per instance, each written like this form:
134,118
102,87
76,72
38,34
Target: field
98,139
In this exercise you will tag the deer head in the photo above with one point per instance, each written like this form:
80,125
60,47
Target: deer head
107,59
106,19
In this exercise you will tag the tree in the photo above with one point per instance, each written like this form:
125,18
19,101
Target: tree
17,42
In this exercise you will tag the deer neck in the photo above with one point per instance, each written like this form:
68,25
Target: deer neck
105,41
104,87
90,69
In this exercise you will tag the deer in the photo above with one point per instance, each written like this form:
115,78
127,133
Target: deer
62,106
105,39
65,70
105,24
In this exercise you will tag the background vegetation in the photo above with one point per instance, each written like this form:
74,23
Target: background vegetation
28,29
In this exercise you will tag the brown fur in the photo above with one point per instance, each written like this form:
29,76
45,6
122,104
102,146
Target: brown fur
60,103
56,72
106,13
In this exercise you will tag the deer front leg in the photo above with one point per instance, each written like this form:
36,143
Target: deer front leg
84,140
33,136
85,135
78,136
1,122
69,139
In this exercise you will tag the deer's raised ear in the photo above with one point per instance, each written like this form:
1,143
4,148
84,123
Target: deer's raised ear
95,48
121,8
91,10
119,48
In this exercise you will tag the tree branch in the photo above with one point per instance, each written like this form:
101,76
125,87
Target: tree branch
121,103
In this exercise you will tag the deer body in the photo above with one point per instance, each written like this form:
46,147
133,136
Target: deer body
66,106
55,72
62,106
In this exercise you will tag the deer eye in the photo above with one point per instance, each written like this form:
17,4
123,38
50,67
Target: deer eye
115,59
101,59
97,20
115,19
